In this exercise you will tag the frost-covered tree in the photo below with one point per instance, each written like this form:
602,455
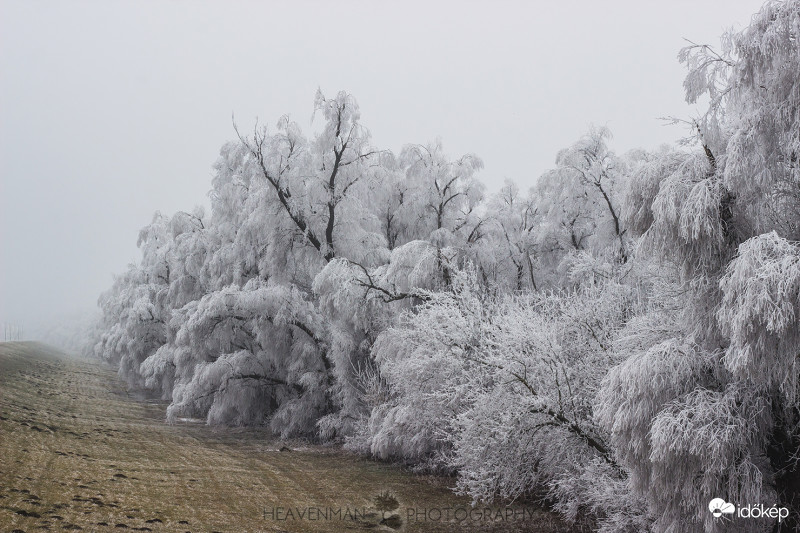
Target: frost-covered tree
509,256
580,207
705,404
138,307
446,192
253,348
434,226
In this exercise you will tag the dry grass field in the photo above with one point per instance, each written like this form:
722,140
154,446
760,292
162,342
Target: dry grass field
78,452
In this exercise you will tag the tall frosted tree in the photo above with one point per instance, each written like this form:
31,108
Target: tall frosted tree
580,211
706,403
284,206
510,254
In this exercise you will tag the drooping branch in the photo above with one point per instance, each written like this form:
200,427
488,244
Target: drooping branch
326,362
387,295
556,419
563,422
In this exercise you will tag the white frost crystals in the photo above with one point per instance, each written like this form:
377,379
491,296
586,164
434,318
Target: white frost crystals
760,311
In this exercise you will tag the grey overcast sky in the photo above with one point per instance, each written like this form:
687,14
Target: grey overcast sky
111,110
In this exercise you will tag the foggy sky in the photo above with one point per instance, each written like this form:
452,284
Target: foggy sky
110,111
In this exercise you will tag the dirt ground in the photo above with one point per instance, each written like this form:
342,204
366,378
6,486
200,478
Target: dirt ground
79,452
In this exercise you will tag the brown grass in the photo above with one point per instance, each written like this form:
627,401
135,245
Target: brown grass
79,452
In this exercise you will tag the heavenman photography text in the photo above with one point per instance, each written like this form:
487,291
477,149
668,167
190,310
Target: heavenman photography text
465,516
312,267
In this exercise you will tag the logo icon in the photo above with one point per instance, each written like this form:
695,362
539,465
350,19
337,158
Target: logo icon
718,507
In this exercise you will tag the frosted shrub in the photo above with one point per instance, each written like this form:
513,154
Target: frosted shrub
426,363
530,428
501,391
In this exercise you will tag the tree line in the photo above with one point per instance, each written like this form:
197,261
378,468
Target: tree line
622,338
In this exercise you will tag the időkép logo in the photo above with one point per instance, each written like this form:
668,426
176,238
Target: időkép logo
720,508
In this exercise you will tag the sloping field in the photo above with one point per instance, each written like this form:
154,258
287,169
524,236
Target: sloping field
78,452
